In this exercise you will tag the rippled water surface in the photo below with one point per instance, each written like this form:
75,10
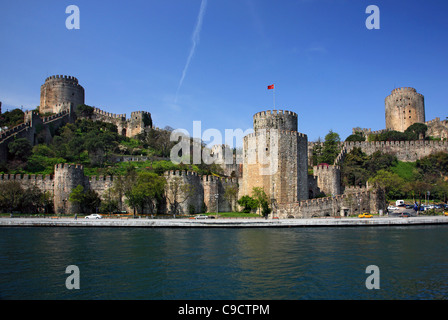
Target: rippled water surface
286,264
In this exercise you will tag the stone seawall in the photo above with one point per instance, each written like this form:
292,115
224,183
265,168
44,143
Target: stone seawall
223,223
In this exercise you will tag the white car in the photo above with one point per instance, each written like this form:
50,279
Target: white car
94,216
392,208
201,216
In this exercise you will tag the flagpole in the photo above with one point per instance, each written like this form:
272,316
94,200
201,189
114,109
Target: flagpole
274,96
272,86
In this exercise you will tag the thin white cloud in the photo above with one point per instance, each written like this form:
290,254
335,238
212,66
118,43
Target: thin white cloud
195,41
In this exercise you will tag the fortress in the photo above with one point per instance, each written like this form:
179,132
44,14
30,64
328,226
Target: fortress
275,158
59,97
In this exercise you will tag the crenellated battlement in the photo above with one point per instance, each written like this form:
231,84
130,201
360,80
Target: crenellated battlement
25,177
380,144
136,113
61,78
325,167
54,116
10,132
275,119
180,173
65,166
64,80
356,189
263,114
403,150
435,120
100,112
101,179
404,90
204,178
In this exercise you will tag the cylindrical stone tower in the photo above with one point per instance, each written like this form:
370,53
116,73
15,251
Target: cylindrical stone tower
275,158
404,107
66,178
276,119
57,90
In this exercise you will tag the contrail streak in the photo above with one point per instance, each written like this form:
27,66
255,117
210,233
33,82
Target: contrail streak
195,41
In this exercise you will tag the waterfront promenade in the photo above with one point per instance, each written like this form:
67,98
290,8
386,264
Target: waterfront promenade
223,222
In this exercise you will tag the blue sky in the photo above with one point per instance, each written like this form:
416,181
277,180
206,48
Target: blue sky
326,65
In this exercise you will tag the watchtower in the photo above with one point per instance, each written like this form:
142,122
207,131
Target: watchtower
276,119
57,90
404,107
275,157
66,178
139,121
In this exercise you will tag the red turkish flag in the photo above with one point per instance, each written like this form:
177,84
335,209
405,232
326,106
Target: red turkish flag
271,87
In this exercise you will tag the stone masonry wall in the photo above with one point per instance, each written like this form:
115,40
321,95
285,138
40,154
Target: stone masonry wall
341,205
404,150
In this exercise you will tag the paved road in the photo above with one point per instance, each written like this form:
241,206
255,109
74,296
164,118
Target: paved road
223,223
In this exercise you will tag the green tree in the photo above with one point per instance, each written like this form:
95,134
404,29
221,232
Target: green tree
91,201
357,136
84,110
148,189
379,160
391,183
317,152
417,189
248,203
13,197
353,169
11,118
331,148
77,196
231,194
262,199
416,130
20,149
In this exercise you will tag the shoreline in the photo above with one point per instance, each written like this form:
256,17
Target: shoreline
223,223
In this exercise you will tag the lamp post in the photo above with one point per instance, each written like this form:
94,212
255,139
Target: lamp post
217,203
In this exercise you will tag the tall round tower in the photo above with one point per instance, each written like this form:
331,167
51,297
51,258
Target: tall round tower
276,119
404,107
275,157
58,90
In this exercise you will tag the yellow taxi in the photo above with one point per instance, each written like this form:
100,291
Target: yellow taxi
365,215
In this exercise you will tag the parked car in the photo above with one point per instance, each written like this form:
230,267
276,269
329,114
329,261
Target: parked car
400,203
365,215
93,216
391,208
201,216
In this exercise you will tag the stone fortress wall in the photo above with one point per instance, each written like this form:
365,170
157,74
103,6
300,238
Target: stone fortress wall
208,190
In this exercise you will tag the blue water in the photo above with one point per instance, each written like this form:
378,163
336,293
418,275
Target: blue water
222,264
